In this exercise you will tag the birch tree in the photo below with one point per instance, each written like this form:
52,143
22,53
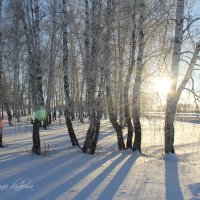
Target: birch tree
1,73
175,90
16,41
32,31
138,79
51,62
121,66
38,103
72,135
91,63
171,98
128,80
107,56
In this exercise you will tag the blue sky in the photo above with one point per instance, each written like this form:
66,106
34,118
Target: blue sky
196,7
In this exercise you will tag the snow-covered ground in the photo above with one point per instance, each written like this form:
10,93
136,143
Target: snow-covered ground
64,172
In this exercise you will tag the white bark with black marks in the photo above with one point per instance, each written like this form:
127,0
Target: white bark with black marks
1,85
37,94
172,99
16,66
128,80
138,79
107,54
91,73
72,135
52,61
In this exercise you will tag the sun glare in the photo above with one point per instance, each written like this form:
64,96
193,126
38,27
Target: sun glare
162,86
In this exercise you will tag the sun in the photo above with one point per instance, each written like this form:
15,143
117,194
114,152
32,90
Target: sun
162,86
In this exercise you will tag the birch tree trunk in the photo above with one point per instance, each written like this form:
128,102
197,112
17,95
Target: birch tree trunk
37,94
170,115
137,84
6,103
72,135
81,112
82,84
113,116
73,76
127,83
91,63
121,65
172,99
16,69
28,31
51,64
1,85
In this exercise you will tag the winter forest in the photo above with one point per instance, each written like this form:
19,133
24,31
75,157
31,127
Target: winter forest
99,99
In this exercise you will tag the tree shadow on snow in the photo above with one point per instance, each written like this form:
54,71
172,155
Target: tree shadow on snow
69,183
62,175
172,184
195,190
116,179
